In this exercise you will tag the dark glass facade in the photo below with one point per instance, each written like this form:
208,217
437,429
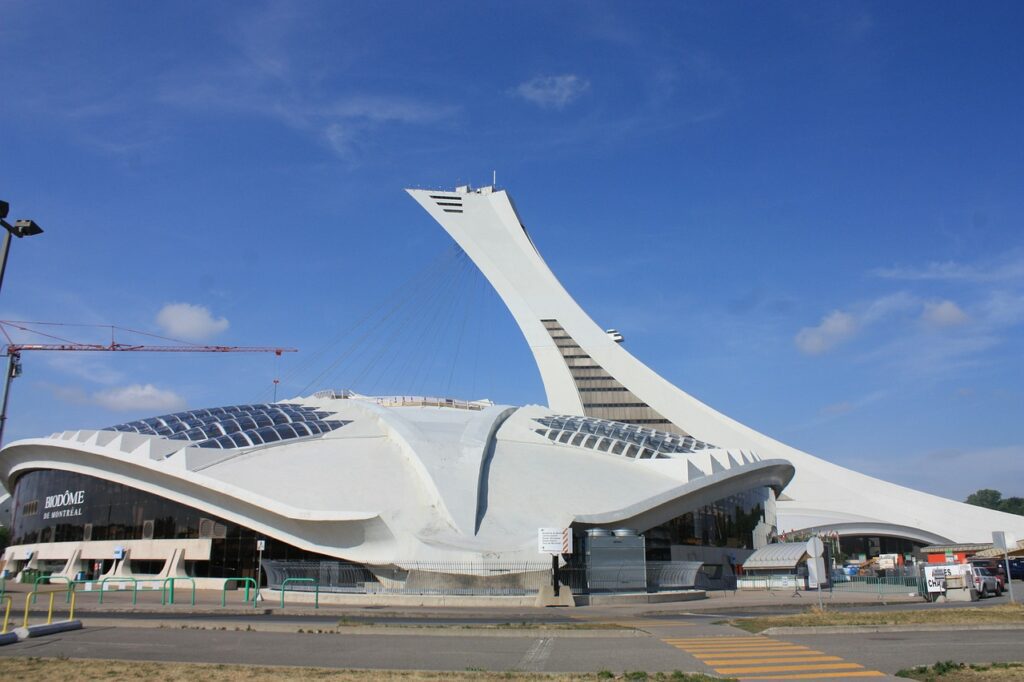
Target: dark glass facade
61,506
728,522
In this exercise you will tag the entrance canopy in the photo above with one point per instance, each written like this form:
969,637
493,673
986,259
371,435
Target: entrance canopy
782,555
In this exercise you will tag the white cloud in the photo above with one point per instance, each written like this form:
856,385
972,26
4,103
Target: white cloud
190,322
552,92
839,325
834,328
139,397
944,314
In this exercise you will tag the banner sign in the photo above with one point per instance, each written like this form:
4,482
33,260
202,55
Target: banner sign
935,576
554,540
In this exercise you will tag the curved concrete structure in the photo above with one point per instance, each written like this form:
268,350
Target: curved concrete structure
401,482
586,370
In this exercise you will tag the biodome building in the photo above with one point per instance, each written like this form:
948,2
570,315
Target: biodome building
397,484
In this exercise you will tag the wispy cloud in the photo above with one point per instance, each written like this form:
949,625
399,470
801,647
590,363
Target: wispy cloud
139,397
552,92
953,271
1000,468
190,322
129,398
90,369
944,314
839,326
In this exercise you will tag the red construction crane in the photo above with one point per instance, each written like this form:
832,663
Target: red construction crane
57,343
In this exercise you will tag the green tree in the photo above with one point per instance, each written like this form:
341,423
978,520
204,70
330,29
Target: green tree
993,499
985,497
1012,505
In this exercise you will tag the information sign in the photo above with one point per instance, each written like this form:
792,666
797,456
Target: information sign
554,540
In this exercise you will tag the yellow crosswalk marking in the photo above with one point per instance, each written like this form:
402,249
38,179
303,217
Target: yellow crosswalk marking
757,658
816,676
729,649
794,667
698,640
757,654
801,659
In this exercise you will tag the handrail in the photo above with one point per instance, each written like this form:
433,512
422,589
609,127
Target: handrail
7,611
29,600
301,580
246,582
171,579
134,582
30,597
48,578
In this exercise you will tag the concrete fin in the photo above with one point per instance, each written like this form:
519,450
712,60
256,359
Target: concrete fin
716,466
104,438
693,471
733,462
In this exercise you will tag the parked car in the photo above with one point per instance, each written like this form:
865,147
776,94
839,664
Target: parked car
995,567
986,583
1017,568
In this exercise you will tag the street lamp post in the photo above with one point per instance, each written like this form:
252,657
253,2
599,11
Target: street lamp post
20,228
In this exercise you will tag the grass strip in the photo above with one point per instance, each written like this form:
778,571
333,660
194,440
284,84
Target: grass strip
951,671
815,617
30,667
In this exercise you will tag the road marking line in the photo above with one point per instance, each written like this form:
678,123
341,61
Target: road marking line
756,654
727,650
802,659
720,638
536,655
788,668
815,676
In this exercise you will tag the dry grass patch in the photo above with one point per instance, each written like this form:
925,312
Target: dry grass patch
950,671
815,617
88,669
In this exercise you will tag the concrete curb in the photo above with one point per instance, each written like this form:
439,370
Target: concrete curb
872,629
8,638
357,630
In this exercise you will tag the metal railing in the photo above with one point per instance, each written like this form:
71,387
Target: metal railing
316,588
7,611
30,599
248,582
876,585
512,578
133,581
167,596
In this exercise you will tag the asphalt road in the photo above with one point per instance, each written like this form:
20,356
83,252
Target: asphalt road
671,645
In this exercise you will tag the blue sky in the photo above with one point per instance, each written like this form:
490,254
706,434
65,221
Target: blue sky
806,214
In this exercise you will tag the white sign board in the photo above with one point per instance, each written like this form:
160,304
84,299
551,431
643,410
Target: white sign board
554,540
261,545
815,547
1003,541
935,576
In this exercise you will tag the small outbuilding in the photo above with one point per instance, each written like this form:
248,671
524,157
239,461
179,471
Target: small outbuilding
778,566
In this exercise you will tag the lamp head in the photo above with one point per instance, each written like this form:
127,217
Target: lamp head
26,228
4,209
